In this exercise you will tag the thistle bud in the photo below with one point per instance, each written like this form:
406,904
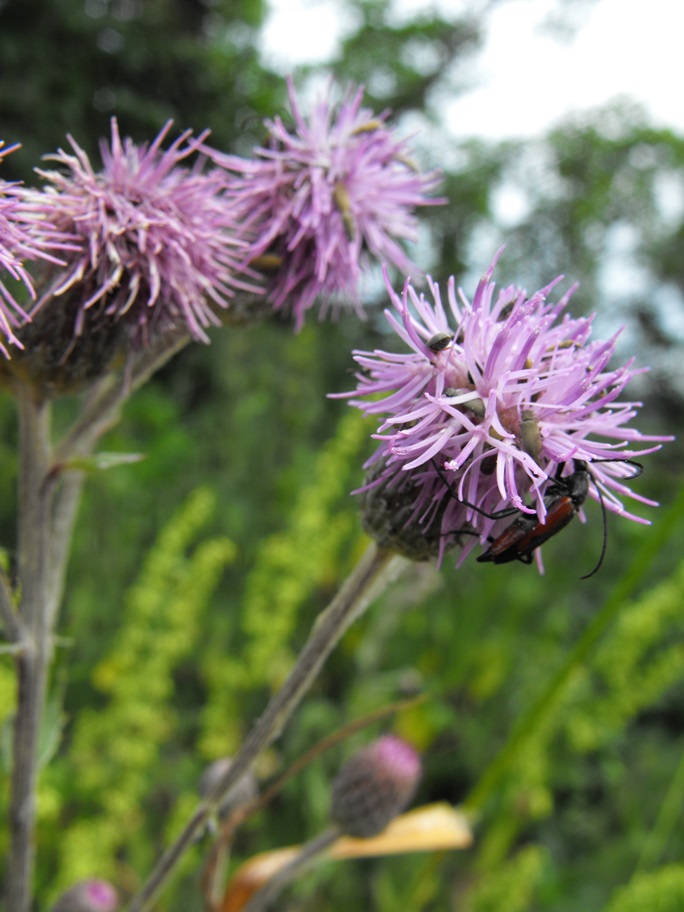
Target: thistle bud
88,896
374,786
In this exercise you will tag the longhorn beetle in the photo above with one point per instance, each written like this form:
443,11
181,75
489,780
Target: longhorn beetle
563,500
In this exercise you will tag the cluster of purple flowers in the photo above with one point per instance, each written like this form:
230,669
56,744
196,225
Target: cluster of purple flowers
162,239
479,415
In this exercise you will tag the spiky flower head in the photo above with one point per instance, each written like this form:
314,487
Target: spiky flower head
159,246
24,235
88,896
374,786
493,397
325,196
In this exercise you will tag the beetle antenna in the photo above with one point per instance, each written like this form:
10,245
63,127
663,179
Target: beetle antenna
637,466
498,514
605,528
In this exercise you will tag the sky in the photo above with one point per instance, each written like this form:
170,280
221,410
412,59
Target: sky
528,77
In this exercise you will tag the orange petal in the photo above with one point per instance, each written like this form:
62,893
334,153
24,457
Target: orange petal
433,828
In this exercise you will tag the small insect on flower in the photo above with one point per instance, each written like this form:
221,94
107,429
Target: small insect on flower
530,435
496,411
439,342
563,499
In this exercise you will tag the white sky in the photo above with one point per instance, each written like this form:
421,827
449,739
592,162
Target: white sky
529,78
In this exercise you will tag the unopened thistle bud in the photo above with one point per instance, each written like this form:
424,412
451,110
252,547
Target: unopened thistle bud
88,896
374,786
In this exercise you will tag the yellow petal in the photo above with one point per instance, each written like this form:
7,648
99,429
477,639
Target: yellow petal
433,828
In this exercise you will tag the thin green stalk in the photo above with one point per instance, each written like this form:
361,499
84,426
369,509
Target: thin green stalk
374,571
527,726
32,663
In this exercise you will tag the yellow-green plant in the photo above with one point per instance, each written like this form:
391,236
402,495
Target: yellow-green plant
289,567
116,750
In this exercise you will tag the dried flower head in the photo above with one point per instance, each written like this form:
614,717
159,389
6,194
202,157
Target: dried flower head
88,896
325,197
374,786
482,413
159,245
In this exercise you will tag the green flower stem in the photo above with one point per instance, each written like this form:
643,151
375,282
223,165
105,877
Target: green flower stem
637,568
102,407
267,895
373,573
32,662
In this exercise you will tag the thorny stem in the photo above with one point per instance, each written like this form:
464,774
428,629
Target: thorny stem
32,662
271,890
374,571
48,502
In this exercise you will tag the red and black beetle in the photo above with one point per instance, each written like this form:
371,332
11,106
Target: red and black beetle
526,533
563,500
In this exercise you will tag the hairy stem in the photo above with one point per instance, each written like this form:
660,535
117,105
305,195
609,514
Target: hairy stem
374,571
33,661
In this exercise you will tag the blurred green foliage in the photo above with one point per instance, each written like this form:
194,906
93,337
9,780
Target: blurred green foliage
242,446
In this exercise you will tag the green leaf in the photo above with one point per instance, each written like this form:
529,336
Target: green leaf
101,461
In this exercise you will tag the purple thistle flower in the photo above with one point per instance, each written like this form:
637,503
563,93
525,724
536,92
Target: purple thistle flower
160,247
88,896
23,236
326,197
485,410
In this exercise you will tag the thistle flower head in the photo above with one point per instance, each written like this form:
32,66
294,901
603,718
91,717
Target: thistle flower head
493,397
374,786
325,197
88,896
159,246
24,235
